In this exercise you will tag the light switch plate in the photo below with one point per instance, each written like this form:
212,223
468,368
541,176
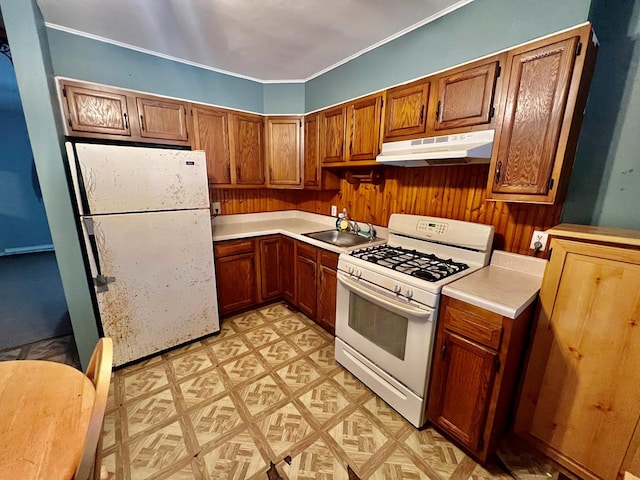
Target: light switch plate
215,207
334,211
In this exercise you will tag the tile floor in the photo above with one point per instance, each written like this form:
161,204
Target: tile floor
266,388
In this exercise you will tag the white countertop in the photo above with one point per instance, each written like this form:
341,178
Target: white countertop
507,286
292,223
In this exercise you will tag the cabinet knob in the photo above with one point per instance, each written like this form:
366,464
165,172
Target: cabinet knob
142,122
498,172
126,121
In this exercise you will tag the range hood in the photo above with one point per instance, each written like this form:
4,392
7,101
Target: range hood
457,149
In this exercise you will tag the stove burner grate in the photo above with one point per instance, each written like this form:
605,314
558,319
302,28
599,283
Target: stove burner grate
425,266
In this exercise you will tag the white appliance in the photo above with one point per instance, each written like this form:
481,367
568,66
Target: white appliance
387,304
145,219
456,149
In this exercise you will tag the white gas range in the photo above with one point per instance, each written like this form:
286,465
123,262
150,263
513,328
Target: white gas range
387,302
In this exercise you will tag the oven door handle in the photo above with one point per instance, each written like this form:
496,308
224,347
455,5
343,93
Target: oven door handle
382,302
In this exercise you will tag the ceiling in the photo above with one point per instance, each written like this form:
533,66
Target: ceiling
265,40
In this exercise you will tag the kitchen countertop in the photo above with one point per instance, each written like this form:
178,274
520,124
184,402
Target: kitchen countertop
292,223
507,286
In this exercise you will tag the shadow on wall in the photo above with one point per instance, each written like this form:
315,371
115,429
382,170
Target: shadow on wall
607,108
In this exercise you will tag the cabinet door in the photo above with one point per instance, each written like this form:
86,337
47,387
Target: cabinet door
327,289
332,134
270,278
461,387
211,134
162,119
284,152
287,264
539,81
581,388
306,278
465,97
363,129
96,111
406,111
311,152
248,149
236,282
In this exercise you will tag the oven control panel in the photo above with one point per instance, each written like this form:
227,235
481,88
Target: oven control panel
428,226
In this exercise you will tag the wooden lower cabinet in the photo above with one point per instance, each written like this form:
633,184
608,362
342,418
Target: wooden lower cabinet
270,274
253,271
580,400
476,362
306,275
288,269
327,289
316,274
236,278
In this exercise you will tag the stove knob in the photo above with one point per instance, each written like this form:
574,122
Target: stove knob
358,273
350,270
397,288
408,293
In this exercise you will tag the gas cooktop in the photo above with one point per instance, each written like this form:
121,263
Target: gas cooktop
425,266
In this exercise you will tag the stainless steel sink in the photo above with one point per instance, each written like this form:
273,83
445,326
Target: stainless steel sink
339,239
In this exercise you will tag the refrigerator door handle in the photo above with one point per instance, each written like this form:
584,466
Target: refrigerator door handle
95,238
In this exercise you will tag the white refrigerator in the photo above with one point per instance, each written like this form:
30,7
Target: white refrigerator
144,214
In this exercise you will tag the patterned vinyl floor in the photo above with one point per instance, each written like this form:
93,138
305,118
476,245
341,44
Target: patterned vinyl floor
267,388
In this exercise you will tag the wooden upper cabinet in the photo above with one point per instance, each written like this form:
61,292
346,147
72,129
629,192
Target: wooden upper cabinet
363,129
162,119
248,149
312,166
464,96
546,95
211,134
406,111
96,110
351,133
315,177
332,135
284,152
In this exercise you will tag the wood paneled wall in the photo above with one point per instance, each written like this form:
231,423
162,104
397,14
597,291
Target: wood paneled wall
456,192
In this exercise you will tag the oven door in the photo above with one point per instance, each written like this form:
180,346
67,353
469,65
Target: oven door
392,333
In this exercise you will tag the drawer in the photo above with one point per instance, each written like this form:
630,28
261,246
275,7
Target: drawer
476,328
306,250
329,259
233,247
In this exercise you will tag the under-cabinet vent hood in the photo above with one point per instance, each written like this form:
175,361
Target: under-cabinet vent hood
457,149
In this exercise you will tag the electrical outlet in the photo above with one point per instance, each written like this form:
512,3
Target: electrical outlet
334,211
541,237
215,206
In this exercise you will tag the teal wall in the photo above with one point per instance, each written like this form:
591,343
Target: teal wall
475,30
605,183
23,222
34,72
284,98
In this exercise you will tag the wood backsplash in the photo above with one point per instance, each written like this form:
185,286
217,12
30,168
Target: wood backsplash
456,192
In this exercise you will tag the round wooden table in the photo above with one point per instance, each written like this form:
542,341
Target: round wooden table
45,408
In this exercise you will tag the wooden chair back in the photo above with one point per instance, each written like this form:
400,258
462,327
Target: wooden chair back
99,372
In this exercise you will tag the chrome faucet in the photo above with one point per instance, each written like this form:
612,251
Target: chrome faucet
372,232
353,226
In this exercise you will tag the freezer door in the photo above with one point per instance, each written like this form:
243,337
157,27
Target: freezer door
119,179
154,279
